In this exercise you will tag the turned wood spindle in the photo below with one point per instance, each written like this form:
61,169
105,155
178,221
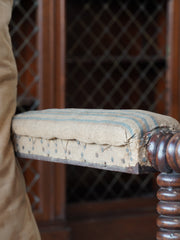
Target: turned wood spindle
164,155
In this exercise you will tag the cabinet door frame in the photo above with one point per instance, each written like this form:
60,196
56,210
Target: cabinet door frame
51,66
173,56
52,72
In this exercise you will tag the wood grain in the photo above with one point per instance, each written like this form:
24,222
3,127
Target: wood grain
164,151
164,155
169,206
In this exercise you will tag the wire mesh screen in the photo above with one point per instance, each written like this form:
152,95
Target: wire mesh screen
116,58
24,30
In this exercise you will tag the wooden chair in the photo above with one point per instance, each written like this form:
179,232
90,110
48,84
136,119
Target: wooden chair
131,141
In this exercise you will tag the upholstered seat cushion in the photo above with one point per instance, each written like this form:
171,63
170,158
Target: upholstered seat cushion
110,139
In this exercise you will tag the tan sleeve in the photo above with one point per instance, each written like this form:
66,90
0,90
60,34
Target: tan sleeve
16,218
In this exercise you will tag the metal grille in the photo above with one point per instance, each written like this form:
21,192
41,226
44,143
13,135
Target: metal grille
98,185
116,58
24,30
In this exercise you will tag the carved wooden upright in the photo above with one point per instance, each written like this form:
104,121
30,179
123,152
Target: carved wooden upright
164,154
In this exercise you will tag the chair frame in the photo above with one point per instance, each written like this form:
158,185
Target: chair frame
164,154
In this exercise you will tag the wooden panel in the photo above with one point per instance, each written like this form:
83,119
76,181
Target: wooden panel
133,219
54,231
51,66
60,53
55,235
46,74
59,94
135,227
52,53
173,74
110,208
46,53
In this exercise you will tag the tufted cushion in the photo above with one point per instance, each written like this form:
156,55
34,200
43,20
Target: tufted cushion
110,139
16,219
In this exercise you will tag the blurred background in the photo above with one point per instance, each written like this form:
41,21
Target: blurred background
95,54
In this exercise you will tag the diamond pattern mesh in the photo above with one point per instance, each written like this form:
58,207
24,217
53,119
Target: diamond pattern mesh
116,58
24,30
24,35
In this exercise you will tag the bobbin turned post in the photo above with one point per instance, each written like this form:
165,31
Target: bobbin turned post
164,155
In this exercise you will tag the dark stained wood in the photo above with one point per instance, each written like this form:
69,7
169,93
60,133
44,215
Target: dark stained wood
173,152
52,47
55,230
120,219
60,191
60,53
163,151
160,156
169,206
130,227
164,154
59,98
173,73
57,234
46,86
161,235
116,208
51,66
46,53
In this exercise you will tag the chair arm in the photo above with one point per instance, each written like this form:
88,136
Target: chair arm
164,151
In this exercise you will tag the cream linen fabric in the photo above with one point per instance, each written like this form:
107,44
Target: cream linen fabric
16,219
110,139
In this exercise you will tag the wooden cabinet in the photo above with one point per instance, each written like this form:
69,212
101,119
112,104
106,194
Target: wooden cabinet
55,86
